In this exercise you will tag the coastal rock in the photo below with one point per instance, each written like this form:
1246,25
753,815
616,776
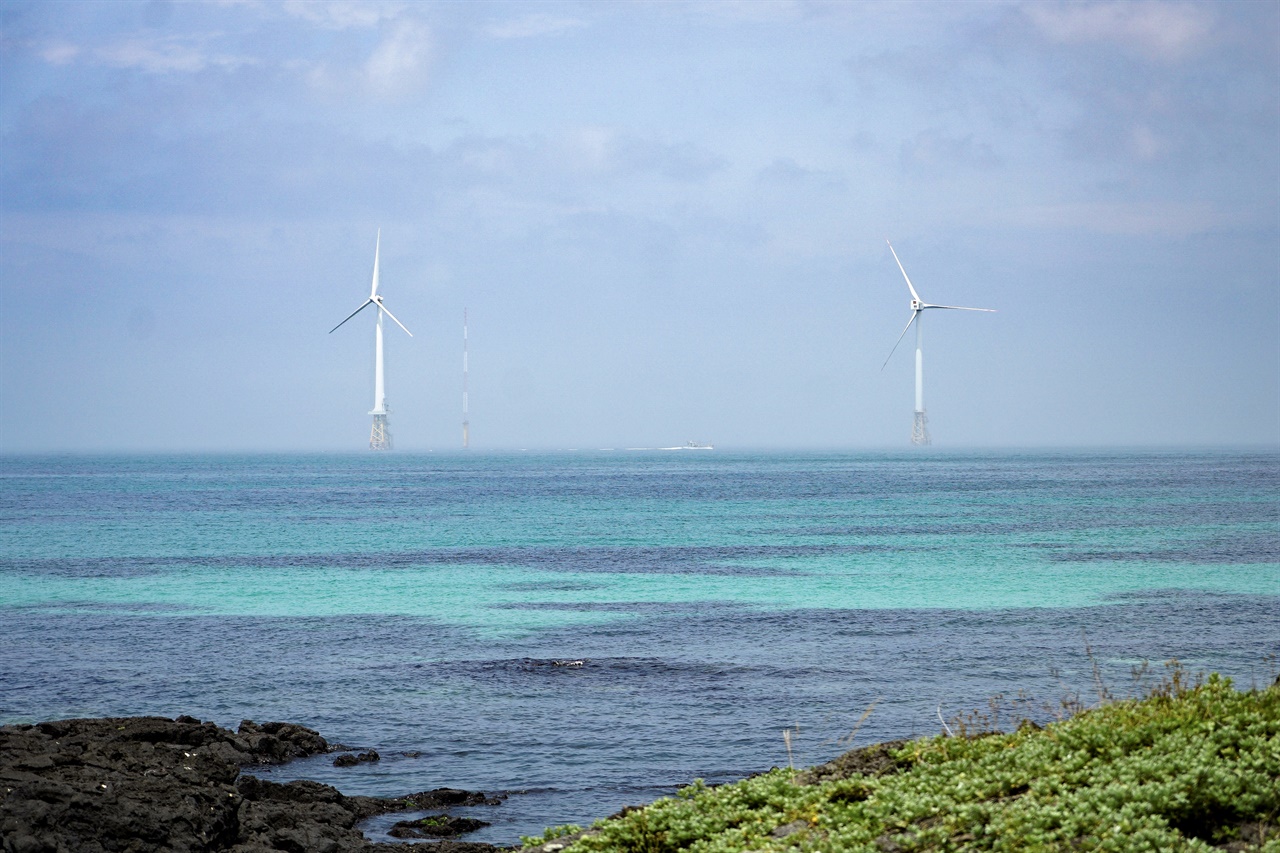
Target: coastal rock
146,784
435,826
350,760
789,829
276,743
558,844
874,760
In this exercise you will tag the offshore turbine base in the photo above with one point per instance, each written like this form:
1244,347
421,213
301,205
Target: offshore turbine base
920,430
380,435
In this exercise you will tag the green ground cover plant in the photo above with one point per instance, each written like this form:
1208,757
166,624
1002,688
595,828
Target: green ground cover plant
1192,766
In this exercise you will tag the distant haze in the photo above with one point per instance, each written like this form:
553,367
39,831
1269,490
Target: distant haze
666,221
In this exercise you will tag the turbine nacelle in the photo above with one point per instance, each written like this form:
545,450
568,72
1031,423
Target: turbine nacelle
375,298
918,305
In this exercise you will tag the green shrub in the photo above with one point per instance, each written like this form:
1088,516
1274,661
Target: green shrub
1190,767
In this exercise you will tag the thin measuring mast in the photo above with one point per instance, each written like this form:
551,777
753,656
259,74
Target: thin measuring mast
466,424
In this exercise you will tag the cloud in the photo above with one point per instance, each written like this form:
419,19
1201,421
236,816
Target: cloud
401,61
166,55
59,53
65,158
342,14
1145,143
1126,218
480,158
398,65
1161,31
605,150
753,11
151,55
534,25
931,149
786,171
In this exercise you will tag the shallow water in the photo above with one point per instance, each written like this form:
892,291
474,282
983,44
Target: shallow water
418,604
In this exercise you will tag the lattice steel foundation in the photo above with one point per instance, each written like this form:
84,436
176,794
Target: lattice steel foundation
380,436
920,431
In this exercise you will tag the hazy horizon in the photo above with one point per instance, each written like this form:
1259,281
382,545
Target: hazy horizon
906,450
666,222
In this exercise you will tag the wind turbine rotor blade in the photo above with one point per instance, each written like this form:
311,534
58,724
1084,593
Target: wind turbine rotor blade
961,308
914,295
393,317
914,314
365,305
377,248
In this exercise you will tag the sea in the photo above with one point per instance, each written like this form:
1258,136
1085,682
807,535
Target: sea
582,631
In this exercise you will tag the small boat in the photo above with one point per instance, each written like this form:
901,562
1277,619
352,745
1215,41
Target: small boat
692,445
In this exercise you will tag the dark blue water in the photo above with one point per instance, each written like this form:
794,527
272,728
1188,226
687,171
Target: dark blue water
420,605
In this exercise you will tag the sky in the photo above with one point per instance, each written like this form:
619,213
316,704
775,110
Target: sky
666,222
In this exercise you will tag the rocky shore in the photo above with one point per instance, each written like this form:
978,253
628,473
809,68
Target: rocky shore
141,784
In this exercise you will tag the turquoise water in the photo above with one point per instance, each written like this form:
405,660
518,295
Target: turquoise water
417,604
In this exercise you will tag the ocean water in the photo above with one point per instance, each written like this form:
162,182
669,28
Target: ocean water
586,631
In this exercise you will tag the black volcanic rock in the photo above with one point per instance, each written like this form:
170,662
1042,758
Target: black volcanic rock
142,784
435,826
276,743
350,760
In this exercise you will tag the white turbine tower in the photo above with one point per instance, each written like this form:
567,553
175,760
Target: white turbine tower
380,437
920,430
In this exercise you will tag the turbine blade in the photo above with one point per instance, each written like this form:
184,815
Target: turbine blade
914,295
377,248
363,306
914,314
393,317
961,308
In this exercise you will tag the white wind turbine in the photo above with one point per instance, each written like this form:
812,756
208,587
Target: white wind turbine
380,437
920,430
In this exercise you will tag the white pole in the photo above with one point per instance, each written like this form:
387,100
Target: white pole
464,365
379,391
466,422
919,365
